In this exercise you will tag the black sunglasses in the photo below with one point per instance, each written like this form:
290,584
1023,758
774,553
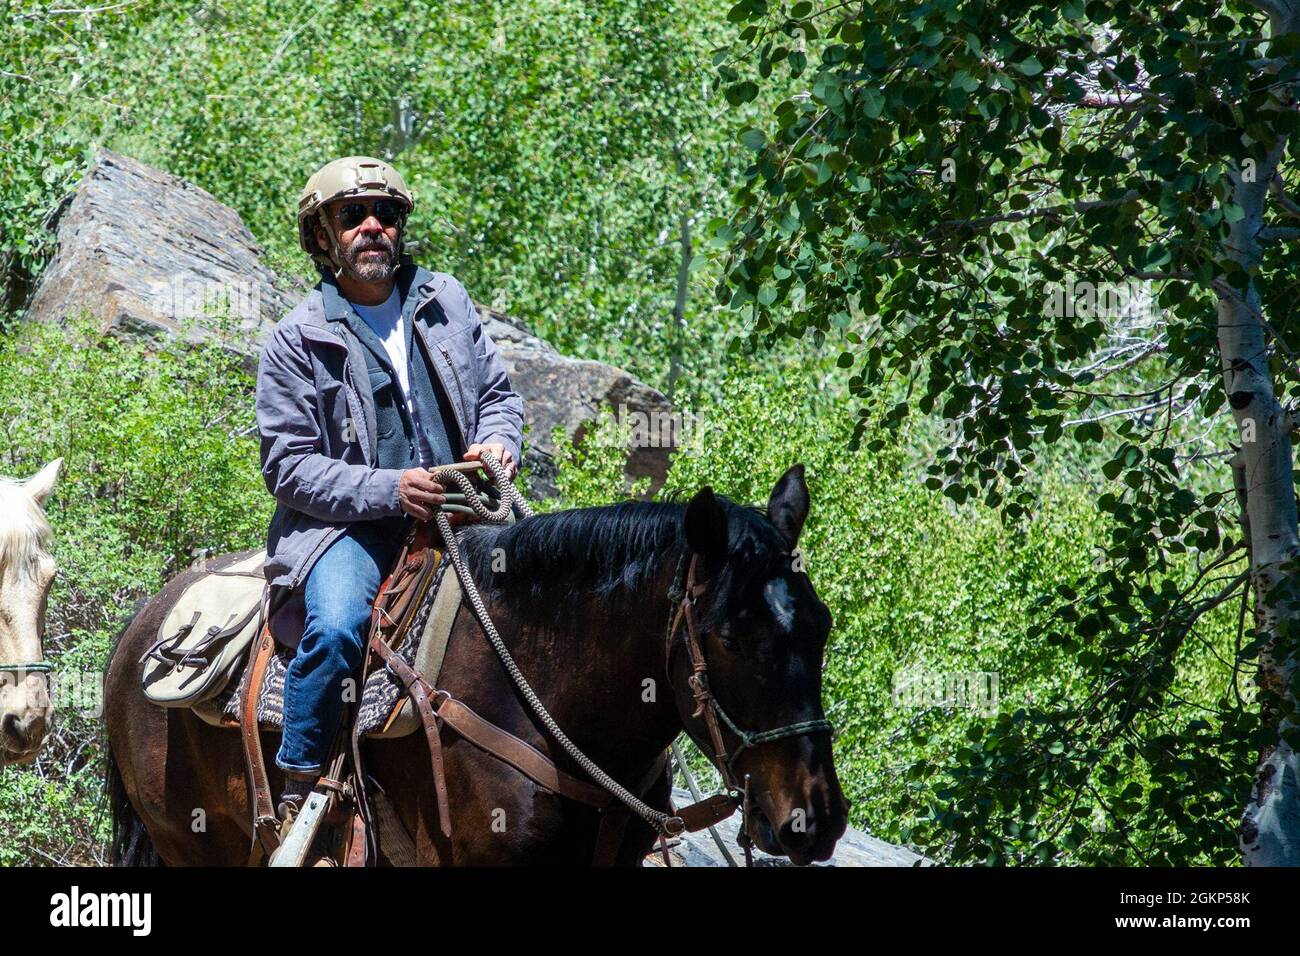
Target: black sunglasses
389,212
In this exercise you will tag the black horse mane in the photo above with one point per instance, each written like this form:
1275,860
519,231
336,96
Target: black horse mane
611,553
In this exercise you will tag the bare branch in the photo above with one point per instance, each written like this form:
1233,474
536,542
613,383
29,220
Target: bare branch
1278,233
1084,205
1285,201
1113,101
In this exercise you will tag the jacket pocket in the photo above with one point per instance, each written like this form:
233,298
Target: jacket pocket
453,353
380,380
441,352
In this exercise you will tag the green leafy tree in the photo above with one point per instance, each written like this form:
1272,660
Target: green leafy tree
919,632
1056,223
160,469
564,153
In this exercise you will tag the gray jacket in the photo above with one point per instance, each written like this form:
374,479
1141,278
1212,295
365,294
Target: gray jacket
316,416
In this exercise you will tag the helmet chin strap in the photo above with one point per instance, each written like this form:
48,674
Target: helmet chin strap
335,253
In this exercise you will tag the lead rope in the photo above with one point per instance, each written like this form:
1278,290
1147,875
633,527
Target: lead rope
510,496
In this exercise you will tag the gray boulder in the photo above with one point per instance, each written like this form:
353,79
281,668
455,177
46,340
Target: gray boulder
148,254
569,393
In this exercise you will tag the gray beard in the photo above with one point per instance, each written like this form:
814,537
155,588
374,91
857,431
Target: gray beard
371,270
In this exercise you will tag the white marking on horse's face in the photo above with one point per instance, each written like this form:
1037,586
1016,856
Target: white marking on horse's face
779,599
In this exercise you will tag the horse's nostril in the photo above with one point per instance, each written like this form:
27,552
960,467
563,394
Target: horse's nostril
34,731
9,728
798,833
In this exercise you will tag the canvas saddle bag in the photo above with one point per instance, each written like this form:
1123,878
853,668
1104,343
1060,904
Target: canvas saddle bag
204,643
205,637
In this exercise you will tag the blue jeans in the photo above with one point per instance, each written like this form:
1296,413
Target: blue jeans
338,595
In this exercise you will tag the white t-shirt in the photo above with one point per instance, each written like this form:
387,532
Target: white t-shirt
385,320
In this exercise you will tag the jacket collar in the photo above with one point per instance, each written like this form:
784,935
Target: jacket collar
414,287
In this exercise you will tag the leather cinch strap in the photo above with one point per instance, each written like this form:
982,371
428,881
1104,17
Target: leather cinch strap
521,755
266,828
433,706
419,692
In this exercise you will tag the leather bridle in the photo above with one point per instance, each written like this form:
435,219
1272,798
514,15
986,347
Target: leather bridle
30,667
707,706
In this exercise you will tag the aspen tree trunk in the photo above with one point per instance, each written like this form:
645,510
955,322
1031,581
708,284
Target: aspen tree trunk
1270,827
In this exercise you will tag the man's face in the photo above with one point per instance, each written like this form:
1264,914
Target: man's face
367,245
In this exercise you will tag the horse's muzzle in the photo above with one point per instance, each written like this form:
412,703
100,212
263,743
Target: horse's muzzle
21,734
808,832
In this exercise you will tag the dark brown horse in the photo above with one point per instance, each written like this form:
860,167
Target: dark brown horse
583,600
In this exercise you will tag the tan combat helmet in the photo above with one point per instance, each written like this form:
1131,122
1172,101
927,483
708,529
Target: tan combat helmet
349,176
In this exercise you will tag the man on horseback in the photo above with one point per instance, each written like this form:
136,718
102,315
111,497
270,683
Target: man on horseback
383,372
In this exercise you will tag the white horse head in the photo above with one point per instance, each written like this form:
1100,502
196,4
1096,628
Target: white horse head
26,573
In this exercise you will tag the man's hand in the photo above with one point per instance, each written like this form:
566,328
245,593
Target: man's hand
499,451
419,494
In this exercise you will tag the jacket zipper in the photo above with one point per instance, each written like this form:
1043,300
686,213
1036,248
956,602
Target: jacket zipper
351,385
460,389
455,402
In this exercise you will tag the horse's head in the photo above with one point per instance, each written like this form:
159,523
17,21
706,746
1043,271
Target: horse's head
760,636
26,573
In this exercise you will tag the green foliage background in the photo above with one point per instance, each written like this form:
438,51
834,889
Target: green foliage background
554,145
556,149
943,168
160,467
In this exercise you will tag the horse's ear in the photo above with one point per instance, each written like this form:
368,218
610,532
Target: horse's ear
706,524
41,484
788,507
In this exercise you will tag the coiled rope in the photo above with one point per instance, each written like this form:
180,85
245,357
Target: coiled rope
475,500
